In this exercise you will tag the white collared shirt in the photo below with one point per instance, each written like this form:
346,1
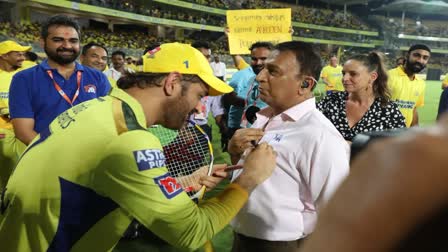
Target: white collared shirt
114,74
219,69
312,160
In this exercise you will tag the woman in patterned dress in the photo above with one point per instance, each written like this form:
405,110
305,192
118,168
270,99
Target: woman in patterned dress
365,104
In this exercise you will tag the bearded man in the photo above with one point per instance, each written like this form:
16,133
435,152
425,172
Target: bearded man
39,94
407,89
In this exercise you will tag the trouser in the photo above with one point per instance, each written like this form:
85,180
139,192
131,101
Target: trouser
242,243
10,150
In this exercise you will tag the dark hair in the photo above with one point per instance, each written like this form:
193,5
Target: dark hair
86,48
31,56
308,60
143,80
374,62
119,53
200,44
267,45
59,20
419,47
150,47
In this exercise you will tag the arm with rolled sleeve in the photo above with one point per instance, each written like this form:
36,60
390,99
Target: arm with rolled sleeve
173,217
329,167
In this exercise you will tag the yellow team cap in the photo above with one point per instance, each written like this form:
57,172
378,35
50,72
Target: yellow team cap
183,58
11,46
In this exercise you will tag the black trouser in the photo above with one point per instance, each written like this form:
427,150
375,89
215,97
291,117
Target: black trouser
242,243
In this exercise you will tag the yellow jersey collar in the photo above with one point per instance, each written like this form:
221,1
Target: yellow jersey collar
401,72
133,103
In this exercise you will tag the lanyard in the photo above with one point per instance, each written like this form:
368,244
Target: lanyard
61,92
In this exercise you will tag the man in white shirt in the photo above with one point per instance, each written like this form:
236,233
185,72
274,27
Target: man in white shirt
219,68
118,68
312,159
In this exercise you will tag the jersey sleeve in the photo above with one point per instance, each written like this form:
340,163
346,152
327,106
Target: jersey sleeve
242,64
20,100
324,73
132,172
104,85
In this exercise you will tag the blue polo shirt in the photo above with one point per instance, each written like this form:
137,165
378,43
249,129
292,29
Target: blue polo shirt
33,95
241,82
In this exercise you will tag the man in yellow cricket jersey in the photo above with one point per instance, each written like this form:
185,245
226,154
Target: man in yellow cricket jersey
12,56
407,89
83,179
332,76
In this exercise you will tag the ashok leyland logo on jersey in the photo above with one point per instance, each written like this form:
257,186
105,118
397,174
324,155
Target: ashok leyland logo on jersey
148,159
169,185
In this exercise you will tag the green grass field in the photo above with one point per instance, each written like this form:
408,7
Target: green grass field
222,242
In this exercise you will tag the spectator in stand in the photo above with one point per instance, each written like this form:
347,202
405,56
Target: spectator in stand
332,76
219,68
130,63
118,68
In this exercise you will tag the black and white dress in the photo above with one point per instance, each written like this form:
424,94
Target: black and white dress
377,118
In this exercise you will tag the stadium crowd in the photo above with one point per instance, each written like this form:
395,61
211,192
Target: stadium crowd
303,14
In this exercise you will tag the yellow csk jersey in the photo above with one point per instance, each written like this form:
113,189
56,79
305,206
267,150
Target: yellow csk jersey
82,180
407,94
333,77
5,83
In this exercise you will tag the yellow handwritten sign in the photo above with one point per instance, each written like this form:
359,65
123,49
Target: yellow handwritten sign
249,26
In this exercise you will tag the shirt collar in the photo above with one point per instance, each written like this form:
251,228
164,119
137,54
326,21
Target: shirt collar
45,66
133,103
292,114
401,72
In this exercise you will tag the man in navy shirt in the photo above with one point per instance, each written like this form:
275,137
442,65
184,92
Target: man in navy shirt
39,94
